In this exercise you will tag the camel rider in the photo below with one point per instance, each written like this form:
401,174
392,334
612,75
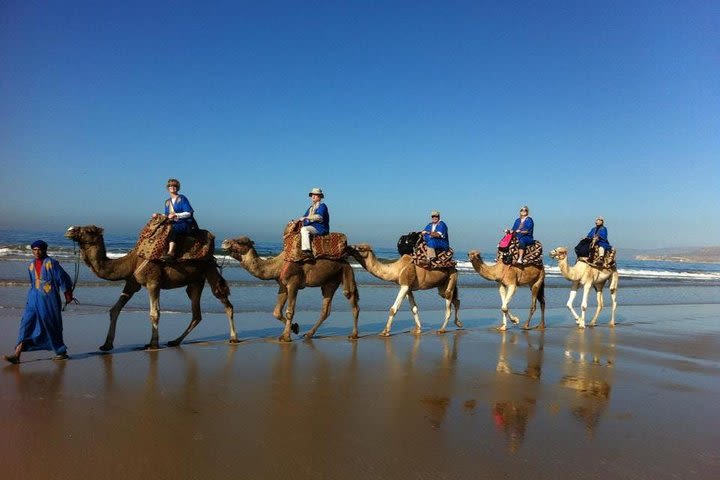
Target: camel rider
599,236
316,220
436,235
179,211
523,231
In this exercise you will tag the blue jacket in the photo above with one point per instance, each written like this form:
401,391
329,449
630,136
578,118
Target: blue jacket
181,225
440,244
323,225
525,237
602,235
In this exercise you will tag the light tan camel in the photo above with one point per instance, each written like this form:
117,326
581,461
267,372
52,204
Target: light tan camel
411,277
588,276
508,278
154,276
292,276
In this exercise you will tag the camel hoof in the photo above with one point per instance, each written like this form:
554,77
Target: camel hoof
384,333
284,339
353,336
106,347
440,331
233,341
152,347
295,328
501,328
581,326
459,324
515,320
308,335
174,343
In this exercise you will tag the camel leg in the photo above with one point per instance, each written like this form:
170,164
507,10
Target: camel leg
415,313
448,308
506,294
571,300
600,303
280,304
328,291
503,326
221,291
154,295
129,290
194,293
613,296
456,304
289,313
535,291
404,289
584,304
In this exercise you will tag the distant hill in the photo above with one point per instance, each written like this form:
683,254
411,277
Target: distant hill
681,254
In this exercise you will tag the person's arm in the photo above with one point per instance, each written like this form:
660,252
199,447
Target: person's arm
319,214
63,280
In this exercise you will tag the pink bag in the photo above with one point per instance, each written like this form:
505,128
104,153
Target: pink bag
505,242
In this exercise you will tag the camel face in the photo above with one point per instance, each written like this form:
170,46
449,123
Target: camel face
363,249
240,245
86,234
474,255
559,253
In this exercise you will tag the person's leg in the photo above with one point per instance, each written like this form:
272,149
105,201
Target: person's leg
305,232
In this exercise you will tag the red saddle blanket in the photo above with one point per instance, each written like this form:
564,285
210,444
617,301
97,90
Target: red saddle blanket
331,246
153,242
441,260
533,253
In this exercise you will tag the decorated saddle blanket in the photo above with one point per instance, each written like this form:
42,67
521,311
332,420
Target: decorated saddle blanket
594,259
153,243
533,254
442,260
331,246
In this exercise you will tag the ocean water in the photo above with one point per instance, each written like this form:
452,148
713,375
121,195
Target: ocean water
641,282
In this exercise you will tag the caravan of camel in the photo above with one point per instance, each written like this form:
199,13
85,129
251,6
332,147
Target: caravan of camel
293,273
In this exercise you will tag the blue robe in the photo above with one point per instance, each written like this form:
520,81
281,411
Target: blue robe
323,227
184,225
41,325
602,237
440,244
524,239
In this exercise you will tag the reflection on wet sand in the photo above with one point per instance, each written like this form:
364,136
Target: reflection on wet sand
588,367
436,404
517,385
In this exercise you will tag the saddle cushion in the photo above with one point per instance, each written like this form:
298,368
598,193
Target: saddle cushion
153,243
331,246
442,260
533,254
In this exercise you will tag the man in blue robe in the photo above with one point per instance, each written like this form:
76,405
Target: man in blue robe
436,235
41,325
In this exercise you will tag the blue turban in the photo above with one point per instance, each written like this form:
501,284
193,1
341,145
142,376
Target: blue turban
39,244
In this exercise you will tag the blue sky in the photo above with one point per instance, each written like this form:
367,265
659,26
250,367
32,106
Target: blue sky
475,108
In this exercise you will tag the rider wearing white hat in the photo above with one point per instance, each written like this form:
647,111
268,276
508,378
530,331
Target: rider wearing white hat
316,220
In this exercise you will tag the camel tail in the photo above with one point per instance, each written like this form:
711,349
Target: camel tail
218,284
541,294
349,284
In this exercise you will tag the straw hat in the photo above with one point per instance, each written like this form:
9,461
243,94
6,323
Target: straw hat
434,213
316,191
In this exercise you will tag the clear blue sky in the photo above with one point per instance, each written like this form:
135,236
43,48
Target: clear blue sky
474,108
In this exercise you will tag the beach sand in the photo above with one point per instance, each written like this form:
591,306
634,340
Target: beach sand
641,400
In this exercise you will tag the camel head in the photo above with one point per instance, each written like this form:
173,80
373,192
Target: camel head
238,246
474,255
292,227
560,253
85,235
362,249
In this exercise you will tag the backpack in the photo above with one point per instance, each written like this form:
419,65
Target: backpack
582,249
406,243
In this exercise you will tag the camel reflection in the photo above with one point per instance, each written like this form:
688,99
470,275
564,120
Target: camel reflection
517,384
437,403
588,370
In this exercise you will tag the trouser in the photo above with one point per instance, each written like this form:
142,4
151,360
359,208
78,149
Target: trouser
601,252
305,237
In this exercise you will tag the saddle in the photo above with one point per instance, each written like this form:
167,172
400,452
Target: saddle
331,246
533,253
594,259
153,242
420,256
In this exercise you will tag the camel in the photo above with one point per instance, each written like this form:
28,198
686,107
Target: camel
411,277
154,276
293,276
509,277
588,276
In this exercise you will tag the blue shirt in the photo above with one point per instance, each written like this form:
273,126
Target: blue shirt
601,233
181,225
526,236
441,243
323,225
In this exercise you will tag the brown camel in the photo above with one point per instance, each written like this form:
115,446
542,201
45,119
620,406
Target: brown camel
411,277
509,277
293,276
588,276
154,276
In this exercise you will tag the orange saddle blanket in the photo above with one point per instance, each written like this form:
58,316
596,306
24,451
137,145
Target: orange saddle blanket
331,246
153,242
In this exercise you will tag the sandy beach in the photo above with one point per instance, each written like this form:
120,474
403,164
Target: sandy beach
637,401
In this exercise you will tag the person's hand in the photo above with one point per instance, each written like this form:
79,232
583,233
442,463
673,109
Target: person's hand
68,296
154,215
172,216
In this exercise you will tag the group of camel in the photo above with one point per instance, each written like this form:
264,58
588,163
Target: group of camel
328,274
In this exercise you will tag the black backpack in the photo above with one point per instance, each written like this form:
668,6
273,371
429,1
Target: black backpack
407,243
582,249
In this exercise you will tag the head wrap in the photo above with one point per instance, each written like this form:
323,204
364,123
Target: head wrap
39,244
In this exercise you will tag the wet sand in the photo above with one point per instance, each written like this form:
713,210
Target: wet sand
641,400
